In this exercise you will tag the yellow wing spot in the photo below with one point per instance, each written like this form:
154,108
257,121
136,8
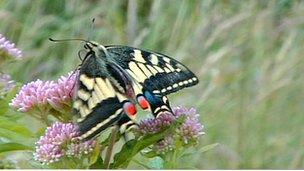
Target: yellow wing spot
156,91
167,60
164,107
167,70
175,85
185,82
178,70
138,56
169,88
96,99
91,103
153,70
84,111
163,90
133,75
111,90
170,67
158,69
86,134
103,86
140,75
194,79
190,81
156,110
154,59
86,81
99,93
146,71
80,119
180,83
83,95
88,111
77,104
165,99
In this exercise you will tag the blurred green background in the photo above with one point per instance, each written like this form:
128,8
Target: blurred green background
248,56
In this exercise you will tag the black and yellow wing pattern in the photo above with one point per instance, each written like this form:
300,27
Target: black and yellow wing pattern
113,79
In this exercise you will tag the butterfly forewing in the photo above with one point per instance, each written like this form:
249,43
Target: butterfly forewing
154,71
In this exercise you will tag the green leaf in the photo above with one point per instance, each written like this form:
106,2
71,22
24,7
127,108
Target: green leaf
107,140
98,164
202,150
141,164
6,147
14,127
4,101
132,147
157,163
123,158
207,147
149,154
12,136
95,154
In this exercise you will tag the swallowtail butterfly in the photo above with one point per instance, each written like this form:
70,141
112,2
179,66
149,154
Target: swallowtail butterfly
113,79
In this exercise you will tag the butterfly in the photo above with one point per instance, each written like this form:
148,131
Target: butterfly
114,79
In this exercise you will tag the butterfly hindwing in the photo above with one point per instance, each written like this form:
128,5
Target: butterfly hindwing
97,102
158,104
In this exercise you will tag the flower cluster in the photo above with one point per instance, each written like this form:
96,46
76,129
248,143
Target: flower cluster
63,90
188,132
191,128
155,125
58,142
31,94
7,47
167,144
39,93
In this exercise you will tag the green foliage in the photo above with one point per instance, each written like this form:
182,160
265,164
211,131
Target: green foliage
15,135
133,147
9,125
19,136
7,147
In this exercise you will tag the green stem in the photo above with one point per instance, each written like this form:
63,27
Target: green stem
174,158
110,147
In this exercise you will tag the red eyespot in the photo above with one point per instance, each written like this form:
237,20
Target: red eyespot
143,103
129,108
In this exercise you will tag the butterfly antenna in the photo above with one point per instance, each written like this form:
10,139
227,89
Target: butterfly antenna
92,28
75,39
92,32
67,40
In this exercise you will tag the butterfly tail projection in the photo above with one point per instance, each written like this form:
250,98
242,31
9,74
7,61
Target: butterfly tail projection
158,104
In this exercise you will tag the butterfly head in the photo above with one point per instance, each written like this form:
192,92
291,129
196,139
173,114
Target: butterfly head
95,47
